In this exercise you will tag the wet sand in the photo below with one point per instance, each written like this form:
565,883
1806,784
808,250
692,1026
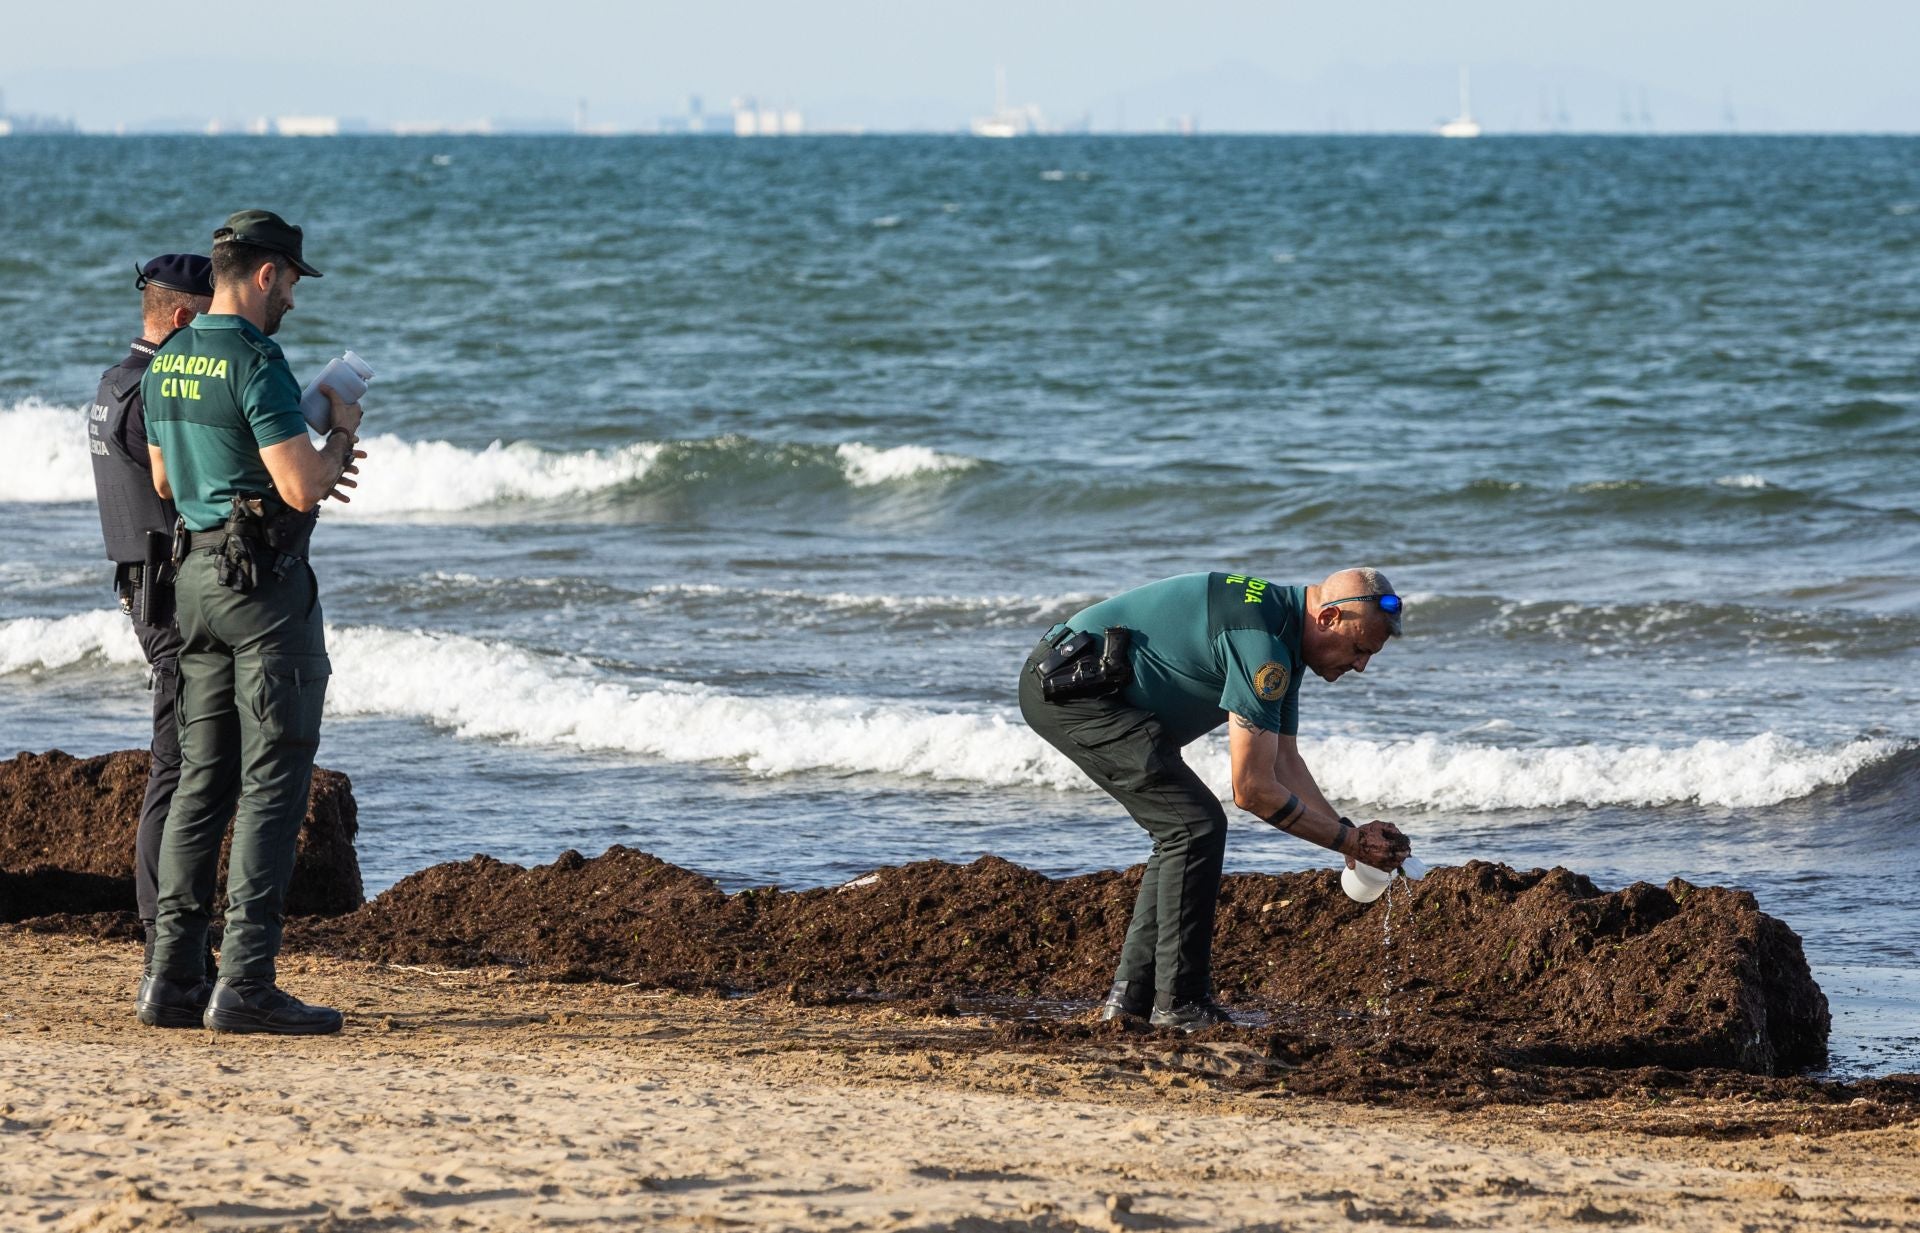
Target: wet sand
478,1099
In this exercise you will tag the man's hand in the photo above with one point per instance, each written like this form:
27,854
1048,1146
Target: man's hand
1379,844
345,419
343,414
353,456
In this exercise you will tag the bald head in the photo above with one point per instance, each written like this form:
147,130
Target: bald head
1361,581
1346,626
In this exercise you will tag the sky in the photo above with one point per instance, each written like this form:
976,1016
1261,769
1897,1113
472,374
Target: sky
1229,65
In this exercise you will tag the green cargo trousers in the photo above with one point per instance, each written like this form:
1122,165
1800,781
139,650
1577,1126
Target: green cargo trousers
253,679
1169,943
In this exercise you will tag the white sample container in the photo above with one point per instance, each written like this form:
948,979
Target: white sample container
1364,884
347,375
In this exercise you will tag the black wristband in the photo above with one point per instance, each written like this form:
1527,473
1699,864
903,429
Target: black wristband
1340,840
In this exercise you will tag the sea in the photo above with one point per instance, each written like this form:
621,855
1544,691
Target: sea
718,488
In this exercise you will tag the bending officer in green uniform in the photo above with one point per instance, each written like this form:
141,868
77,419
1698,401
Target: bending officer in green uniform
229,447
1123,685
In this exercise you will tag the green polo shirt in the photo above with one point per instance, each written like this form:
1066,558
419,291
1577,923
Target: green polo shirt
1205,645
217,393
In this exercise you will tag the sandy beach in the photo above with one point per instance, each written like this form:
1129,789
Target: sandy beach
478,1100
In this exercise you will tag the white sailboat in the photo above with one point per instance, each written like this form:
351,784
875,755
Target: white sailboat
1462,125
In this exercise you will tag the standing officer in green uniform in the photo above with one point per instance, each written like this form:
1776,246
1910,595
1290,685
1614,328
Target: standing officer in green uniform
229,446
1123,685
136,525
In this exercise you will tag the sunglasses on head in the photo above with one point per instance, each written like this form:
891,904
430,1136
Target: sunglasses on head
1389,603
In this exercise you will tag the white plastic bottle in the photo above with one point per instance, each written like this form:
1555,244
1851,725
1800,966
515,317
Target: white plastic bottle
347,376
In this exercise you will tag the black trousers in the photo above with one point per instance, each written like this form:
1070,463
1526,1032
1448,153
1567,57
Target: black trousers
1169,943
161,645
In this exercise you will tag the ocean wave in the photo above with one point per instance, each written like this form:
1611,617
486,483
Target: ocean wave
444,590
1603,628
1741,495
493,691
814,606
409,477
46,451
1429,773
42,644
47,446
866,466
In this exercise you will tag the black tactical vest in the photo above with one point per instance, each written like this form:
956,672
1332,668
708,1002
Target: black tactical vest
122,474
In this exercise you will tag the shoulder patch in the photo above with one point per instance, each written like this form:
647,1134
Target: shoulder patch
1270,682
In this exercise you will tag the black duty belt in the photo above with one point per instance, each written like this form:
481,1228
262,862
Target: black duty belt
210,541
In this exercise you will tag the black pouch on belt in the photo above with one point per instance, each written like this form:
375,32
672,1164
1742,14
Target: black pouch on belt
154,602
237,563
1073,671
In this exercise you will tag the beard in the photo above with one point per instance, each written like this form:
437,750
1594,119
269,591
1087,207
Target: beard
278,304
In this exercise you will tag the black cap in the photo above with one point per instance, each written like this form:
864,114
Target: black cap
188,272
265,229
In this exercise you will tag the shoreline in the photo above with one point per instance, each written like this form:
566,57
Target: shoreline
1495,986
479,1099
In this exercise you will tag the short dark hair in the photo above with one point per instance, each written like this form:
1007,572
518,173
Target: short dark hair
157,302
236,262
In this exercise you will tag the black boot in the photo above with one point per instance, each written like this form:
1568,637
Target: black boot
1190,1016
1128,999
172,1003
146,966
260,1006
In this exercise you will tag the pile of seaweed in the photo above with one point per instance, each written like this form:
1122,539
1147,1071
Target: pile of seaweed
1535,967
1497,984
66,838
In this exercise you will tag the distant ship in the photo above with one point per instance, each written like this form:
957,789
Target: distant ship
1462,125
1007,121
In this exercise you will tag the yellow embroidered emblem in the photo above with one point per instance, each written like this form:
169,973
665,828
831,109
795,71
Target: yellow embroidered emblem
1270,683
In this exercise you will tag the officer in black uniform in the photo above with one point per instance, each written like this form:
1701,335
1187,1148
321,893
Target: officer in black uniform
137,524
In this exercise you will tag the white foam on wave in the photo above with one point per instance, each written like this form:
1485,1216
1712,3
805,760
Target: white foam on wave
1748,480
865,466
493,691
489,691
46,450
1429,773
41,644
404,477
45,447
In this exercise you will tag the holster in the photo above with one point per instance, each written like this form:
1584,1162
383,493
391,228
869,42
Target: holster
153,603
1072,670
261,533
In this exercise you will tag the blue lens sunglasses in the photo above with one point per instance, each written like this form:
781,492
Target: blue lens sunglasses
1389,603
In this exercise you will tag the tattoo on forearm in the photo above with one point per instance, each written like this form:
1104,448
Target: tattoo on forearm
1288,815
